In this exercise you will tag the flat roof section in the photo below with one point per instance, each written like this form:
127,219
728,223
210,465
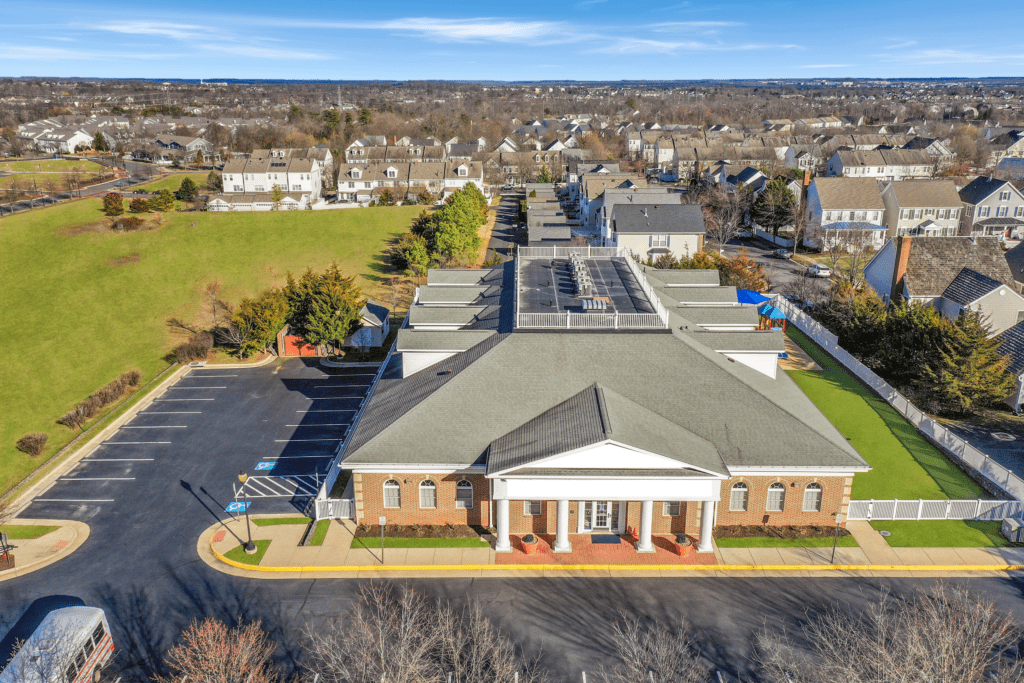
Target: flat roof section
545,286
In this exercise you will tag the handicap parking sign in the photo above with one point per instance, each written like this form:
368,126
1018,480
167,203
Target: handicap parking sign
237,507
265,466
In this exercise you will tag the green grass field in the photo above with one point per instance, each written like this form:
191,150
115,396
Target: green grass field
390,542
238,554
75,318
49,166
904,464
765,542
320,532
278,521
169,182
24,532
943,534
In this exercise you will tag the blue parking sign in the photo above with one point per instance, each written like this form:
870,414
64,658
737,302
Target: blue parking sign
237,507
267,465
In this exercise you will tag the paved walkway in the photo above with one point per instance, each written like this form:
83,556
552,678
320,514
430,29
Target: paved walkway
336,558
32,554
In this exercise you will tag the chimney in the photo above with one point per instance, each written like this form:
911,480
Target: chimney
900,268
807,177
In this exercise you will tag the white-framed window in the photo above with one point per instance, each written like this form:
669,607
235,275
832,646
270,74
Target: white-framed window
392,173
812,498
428,494
984,211
954,213
1018,212
392,494
904,214
1004,196
738,497
659,240
776,498
531,508
1002,211
917,213
671,509
929,212
351,186
366,185
463,171
464,495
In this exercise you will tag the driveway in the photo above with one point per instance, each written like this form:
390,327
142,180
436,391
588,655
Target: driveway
786,276
1007,449
504,224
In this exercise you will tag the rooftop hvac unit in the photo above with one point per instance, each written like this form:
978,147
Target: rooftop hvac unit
1013,530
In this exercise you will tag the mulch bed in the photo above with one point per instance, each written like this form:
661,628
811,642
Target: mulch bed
421,531
778,531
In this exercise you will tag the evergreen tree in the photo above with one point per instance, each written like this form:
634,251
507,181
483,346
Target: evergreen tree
99,143
775,207
163,201
259,320
188,190
113,204
410,254
215,182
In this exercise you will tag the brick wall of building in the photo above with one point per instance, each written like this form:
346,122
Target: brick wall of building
369,492
835,498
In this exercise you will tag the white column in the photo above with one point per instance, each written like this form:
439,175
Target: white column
562,544
503,545
707,523
646,513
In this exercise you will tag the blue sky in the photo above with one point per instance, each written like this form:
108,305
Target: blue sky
584,40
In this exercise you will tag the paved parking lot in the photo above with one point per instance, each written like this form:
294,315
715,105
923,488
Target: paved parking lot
280,424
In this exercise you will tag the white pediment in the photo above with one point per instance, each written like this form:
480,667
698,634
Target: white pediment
609,456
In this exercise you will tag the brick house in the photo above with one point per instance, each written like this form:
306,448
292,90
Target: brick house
490,413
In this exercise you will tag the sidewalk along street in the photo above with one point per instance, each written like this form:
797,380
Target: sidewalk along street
38,543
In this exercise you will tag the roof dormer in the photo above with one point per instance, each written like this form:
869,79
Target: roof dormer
462,170
357,173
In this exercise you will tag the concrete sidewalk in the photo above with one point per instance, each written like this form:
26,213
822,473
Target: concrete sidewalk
32,554
336,558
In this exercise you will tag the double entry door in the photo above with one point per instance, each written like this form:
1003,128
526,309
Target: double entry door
602,515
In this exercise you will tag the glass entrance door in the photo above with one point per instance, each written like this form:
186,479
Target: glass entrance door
600,515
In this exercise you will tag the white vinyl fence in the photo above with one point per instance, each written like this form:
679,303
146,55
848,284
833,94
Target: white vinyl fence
953,445
989,510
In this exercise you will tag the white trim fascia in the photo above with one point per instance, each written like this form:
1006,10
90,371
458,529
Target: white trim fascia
429,469
802,471
606,442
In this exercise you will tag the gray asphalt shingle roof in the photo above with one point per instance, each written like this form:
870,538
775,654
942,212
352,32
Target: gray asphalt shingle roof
1011,345
659,219
969,286
681,276
936,261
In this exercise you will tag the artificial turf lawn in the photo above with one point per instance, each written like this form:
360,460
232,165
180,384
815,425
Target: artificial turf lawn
904,464
24,532
277,521
766,542
320,532
75,322
943,534
238,554
391,542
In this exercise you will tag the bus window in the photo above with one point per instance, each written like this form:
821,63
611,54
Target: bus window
79,660
71,672
89,647
97,635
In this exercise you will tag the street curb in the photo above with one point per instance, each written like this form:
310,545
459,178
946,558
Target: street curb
26,496
81,535
249,570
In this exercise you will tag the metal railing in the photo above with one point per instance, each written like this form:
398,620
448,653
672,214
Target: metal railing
649,292
962,509
956,448
566,252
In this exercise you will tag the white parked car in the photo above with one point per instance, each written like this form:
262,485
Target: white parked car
818,270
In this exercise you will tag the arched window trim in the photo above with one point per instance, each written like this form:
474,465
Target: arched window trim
816,492
392,494
462,502
737,488
770,501
428,494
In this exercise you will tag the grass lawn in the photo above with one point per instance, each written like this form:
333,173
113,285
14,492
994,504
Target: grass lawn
238,554
765,542
75,320
49,166
23,532
169,182
277,521
320,532
905,465
391,542
943,534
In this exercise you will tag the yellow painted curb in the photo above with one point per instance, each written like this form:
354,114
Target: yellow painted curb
630,567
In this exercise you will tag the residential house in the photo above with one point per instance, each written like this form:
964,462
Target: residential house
297,178
992,207
952,274
363,182
320,153
1015,259
592,187
186,148
1009,145
631,195
374,326
927,208
1011,347
844,210
934,147
653,230
886,164
805,157
602,431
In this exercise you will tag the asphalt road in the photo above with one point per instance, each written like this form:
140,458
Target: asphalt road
138,173
786,276
146,502
504,224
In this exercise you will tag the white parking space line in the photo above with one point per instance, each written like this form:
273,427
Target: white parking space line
183,399
129,443
73,500
96,479
158,427
298,440
116,459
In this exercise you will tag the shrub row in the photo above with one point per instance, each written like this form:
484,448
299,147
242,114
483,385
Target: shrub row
33,444
91,406
197,347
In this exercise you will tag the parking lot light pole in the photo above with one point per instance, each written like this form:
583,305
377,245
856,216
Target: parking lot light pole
250,548
383,521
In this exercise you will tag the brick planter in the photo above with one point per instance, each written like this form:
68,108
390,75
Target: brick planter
530,544
684,546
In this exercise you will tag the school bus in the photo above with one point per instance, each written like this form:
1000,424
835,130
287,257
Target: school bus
70,645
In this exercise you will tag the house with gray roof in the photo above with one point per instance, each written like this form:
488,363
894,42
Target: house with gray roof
992,207
652,230
953,274
524,404
1011,347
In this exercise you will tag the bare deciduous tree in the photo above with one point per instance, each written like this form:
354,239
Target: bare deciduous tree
654,654
402,637
210,652
723,212
946,635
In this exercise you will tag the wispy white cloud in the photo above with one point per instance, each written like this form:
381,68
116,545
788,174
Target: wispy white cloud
501,30
684,25
897,46
824,66
647,46
951,56
52,54
148,28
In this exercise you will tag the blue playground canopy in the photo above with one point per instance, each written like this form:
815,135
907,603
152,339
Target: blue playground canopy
748,296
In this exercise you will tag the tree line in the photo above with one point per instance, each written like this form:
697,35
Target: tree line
448,237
